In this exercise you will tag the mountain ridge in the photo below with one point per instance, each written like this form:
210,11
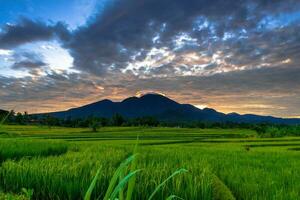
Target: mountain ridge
164,109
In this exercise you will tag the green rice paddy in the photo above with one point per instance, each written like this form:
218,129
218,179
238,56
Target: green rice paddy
60,163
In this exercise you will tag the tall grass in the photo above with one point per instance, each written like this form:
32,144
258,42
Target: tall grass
115,188
68,176
265,172
16,149
220,190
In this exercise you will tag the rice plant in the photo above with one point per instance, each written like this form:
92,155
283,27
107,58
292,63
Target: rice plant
16,149
115,188
87,169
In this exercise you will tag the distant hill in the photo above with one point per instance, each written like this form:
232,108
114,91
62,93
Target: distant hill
164,109
3,112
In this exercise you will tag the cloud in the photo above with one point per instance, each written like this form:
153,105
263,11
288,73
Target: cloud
111,40
205,52
4,52
27,30
36,94
28,60
228,35
252,91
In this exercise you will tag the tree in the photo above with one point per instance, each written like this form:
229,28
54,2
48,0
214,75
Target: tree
117,120
26,117
11,116
94,125
146,121
19,118
103,121
51,121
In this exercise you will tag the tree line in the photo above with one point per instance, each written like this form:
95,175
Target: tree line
95,123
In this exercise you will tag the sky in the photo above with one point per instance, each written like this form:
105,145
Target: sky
234,56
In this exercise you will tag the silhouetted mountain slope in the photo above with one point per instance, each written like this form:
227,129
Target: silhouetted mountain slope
164,109
3,112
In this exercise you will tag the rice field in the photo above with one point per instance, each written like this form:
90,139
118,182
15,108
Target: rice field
60,163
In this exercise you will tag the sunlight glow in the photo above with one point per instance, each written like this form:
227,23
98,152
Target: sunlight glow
4,52
142,93
201,106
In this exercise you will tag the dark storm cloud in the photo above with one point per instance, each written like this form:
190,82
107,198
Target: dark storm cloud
124,32
129,26
27,30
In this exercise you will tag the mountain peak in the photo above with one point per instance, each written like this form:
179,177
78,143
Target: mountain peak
164,108
156,97
147,97
106,101
130,99
141,94
152,95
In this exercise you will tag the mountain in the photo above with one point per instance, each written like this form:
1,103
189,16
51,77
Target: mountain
3,112
164,109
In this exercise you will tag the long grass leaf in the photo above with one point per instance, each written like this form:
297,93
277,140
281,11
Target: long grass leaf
123,182
121,192
131,183
116,175
88,193
164,182
173,197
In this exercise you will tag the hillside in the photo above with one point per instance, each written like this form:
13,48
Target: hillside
164,109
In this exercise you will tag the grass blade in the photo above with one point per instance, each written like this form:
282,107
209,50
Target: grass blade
131,183
116,176
28,193
173,197
123,182
121,192
164,182
88,193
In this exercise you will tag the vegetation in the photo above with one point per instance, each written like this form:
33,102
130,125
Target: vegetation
16,149
94,123
277,130
220,190
4,196
218,163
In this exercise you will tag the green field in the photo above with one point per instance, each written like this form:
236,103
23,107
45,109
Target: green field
60,163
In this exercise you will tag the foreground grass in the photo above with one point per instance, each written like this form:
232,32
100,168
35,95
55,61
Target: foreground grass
264,172
5,196
127,133
18,148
